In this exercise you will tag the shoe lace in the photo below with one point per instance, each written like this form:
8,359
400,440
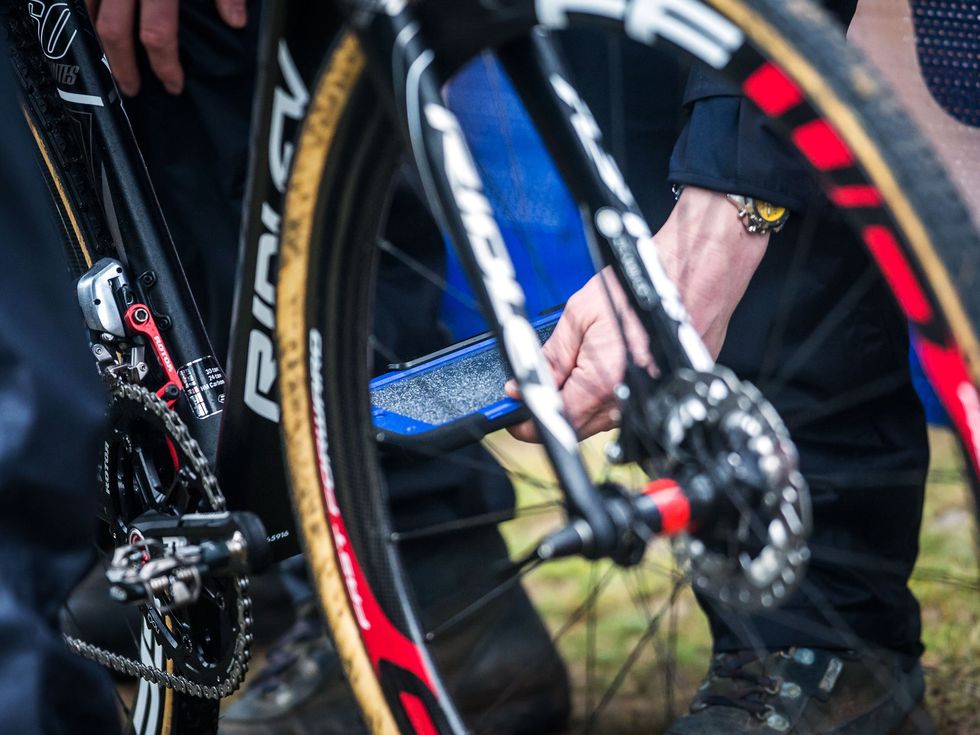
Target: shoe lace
752,688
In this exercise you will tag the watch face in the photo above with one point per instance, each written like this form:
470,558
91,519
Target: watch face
769,212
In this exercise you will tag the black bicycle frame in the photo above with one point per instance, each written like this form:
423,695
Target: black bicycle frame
410,74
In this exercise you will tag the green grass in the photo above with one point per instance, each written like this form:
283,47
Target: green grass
950,613
670,665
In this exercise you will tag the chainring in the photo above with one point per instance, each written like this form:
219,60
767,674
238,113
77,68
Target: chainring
151,463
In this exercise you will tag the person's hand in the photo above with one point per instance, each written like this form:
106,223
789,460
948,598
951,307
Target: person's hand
708,254
114,20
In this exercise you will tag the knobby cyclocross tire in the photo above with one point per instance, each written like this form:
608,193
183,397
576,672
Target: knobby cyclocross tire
155,710
792,62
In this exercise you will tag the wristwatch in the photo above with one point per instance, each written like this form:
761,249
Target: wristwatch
758,216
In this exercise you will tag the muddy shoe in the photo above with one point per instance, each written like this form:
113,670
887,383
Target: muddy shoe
808,691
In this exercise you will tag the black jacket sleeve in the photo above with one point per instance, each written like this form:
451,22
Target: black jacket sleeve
728,146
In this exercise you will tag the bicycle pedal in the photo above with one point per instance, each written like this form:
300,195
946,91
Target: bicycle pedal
169,557
449,398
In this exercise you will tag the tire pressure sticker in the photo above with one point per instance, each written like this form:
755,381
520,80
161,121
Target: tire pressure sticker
204,383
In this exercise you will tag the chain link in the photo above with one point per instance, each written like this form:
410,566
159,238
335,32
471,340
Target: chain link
178,432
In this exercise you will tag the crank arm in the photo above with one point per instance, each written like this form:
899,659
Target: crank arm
204,528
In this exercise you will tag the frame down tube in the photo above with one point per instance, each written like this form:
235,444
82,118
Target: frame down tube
404,63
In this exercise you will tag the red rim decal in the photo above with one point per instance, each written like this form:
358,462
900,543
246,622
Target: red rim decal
417,714
898,272
856,195
946,370
821,145
383,641
772,90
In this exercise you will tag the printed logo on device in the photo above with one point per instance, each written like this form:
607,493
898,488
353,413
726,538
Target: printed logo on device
204,385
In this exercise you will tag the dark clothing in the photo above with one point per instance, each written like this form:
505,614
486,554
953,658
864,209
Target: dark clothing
819,333
847,398
815,329
51,423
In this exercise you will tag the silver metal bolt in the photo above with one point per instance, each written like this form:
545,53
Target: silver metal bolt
621,392
805,656
718,391
777,722
790,690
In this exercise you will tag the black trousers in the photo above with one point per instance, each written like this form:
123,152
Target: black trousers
51,424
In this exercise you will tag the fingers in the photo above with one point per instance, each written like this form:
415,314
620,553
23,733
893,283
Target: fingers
158,34
588,402
115,28
114,20
525,432
232,12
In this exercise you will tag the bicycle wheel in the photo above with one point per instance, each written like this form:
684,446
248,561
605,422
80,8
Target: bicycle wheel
344,169
145,707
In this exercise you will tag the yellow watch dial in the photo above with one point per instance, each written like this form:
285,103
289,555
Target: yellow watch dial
769,212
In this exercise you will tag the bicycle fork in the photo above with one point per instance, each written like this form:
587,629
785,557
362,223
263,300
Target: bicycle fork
600,518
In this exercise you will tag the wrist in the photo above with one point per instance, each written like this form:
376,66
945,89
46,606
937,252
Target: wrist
711,257
706,215
756,215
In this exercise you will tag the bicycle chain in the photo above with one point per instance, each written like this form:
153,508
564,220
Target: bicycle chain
177,430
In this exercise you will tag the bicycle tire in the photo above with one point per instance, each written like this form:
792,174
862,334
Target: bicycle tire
344,159
86,237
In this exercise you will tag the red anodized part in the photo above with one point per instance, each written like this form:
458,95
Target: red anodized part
674,507
139,318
